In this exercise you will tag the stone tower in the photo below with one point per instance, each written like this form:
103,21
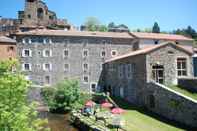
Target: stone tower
36,13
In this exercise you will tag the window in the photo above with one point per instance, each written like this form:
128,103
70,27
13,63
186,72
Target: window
46,41
29,16
156,42
85,66
47,67
26,53
47,53
85,79
114,53
26,67
66,67
120,70
10,48
85,53
47,80
93,87
158,73
130,68
40,13
103,54
182,67
26,40
66,53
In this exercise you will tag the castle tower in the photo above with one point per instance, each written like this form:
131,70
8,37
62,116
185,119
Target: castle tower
36,13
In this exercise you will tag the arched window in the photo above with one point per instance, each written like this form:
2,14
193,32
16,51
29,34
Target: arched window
40,13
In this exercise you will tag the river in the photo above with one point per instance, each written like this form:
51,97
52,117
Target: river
59,122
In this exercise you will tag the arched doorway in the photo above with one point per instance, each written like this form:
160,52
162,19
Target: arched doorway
40,13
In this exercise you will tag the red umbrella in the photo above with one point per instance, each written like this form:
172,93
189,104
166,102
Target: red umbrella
89,103
117,111
106,105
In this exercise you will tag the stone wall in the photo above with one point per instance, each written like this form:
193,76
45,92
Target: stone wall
75,45
171,104
189,84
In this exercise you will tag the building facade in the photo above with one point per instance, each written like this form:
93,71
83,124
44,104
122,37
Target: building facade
127,75
49,56
7,48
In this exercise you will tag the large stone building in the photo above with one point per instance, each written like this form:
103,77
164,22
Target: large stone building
144,77
48,56
7,48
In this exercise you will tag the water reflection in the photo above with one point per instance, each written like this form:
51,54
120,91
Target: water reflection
59,122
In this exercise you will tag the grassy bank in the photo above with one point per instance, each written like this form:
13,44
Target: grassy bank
138,119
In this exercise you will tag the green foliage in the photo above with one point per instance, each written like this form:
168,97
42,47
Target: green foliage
65,96
103,28
111,25
92,23
189,32
156,28
15,113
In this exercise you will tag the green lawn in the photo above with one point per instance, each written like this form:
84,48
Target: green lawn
138,120
185,92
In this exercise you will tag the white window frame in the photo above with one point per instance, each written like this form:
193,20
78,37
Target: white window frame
44,52
114,51
23,53
84,67
186,68
64,53
91,83
87,77
44,67
102,53
23,66
87,53
68,67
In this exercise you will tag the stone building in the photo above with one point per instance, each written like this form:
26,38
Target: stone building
36,14
48,56
127,75
7,48
142,77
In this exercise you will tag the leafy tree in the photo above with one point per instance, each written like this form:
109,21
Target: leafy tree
92,23
63,97
103,28
15,113
156,28
111,25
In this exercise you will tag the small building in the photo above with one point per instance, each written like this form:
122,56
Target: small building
7,48
127,75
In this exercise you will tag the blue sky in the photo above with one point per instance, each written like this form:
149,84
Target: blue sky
170,14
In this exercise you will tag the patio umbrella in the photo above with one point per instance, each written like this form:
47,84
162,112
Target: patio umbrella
89,103
106,105
117,111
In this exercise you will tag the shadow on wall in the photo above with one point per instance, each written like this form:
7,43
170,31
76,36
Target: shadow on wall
128,106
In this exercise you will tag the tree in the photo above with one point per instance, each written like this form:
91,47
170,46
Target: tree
103,28
111,25
64,97
92,23
156,28
15,113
